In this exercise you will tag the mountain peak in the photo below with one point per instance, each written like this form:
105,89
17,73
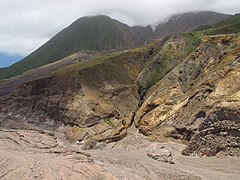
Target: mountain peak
104,34
95,17
188,21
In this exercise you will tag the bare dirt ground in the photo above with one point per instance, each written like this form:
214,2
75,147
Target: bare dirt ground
128,160
29,154
33,154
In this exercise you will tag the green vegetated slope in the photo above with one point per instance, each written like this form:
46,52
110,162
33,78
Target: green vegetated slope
1,70
173,50
227,26
100,33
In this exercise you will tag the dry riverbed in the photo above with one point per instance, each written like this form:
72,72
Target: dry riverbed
33,154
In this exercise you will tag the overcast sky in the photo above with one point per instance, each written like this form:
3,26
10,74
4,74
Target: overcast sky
27,24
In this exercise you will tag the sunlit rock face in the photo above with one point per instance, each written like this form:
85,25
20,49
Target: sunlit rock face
198,100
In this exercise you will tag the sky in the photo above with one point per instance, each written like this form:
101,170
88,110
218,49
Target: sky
27,24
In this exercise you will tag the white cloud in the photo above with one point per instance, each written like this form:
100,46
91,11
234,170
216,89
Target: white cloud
27,24
20,45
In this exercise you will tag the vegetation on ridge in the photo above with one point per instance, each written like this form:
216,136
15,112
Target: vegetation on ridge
99,33
227,26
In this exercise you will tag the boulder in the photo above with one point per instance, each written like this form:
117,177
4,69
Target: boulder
160,153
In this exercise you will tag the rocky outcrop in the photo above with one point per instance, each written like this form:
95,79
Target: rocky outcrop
95,101
160,153
220,132
198,101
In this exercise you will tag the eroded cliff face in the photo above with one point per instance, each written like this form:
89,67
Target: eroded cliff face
168,90
95,102
198,100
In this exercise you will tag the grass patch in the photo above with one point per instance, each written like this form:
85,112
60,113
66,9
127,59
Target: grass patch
110,123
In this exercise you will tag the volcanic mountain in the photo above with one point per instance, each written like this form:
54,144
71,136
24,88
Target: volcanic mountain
103,34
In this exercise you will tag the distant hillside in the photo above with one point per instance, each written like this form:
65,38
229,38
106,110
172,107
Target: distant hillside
229,25
2,69
187,22
101,33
